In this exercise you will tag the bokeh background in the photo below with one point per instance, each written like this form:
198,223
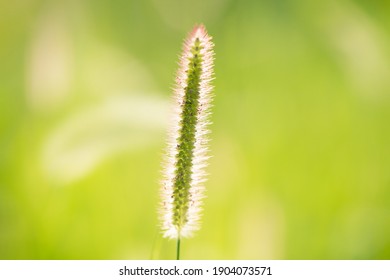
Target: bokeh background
300,134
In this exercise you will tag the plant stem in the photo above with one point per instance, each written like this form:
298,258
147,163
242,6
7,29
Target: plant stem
178,249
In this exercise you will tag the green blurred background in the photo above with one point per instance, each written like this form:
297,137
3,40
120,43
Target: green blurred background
300,134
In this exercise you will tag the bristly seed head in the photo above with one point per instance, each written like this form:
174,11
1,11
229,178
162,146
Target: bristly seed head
182,186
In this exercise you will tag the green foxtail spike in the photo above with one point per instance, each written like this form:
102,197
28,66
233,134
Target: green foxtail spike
186,157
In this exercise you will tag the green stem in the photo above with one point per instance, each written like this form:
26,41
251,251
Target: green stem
178,249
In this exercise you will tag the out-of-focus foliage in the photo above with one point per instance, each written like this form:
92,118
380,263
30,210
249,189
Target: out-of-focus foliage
300,141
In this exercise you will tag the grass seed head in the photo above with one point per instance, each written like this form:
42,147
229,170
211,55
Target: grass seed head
187,152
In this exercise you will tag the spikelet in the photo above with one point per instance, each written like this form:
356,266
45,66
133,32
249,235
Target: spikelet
182,187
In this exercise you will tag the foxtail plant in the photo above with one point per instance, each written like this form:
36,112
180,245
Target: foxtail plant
184,175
